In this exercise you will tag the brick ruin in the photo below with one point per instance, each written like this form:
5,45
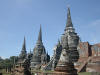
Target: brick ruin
89,60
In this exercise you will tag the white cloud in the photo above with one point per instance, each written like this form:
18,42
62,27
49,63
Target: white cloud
94,40
95,23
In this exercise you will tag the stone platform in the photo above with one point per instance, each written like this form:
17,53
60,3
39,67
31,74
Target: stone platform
61,69
66,69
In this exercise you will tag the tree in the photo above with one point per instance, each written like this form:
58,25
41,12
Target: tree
9,62
1,59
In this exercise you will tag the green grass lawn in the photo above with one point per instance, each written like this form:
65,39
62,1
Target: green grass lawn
84,73
6,74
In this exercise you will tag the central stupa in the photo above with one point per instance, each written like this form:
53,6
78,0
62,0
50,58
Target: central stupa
69,54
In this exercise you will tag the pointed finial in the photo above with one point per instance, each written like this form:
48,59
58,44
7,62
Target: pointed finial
39,41
58,41
24,45
30,50
69,21
40,25
24,40
40,35
47,52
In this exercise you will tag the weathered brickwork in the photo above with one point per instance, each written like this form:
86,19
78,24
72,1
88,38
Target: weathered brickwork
85,51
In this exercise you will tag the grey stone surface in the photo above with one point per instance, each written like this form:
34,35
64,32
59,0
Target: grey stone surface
70,40
66,50
39,53
23,53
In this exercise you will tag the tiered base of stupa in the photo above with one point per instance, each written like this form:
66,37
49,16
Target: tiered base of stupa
65,69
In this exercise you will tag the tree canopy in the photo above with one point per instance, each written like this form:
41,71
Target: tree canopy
9,62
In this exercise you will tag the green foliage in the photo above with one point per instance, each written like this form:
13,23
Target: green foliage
3,71
8,62
1,59
6,74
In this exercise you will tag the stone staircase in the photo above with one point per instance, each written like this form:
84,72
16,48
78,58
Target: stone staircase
49,65
84,64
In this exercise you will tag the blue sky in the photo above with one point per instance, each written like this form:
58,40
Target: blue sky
19,18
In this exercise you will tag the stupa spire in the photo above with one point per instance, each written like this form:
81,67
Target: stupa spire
24,45
58,41
40,36
69,20
23,53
